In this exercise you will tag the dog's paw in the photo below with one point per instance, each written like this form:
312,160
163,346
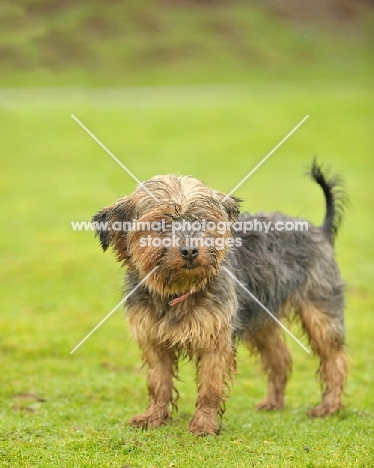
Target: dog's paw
323,410
203,425
150,420
270,405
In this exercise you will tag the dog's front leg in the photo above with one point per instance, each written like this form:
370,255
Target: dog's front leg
214,371
161,364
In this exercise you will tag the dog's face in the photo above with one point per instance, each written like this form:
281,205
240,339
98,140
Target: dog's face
175,223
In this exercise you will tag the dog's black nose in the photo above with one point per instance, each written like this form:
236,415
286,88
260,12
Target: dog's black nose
189,253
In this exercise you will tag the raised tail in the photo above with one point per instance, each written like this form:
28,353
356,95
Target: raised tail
336,199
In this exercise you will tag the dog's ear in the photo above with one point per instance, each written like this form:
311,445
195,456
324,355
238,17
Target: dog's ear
100,221
231,206
110,225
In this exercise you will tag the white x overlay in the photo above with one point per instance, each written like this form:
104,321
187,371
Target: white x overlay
116,159
154,269
115,308
265,158
265,308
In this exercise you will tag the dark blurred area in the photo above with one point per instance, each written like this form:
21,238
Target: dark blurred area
137,42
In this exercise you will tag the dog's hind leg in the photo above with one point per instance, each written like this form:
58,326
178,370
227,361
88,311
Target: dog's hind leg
276,362
326,336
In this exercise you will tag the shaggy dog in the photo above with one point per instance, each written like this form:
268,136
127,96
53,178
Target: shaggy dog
191,260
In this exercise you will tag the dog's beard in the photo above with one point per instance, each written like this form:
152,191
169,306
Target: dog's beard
174,276
179,280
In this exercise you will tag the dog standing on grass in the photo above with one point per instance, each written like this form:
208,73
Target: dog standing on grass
193,305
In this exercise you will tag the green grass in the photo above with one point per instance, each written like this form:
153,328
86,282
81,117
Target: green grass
56,285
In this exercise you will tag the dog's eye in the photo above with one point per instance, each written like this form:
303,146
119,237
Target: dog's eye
168,227
157,227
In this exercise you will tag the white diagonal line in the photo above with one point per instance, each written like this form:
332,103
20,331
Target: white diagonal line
113,310
265,158
265,309
116,159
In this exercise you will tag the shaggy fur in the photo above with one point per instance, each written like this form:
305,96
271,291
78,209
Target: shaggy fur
190,306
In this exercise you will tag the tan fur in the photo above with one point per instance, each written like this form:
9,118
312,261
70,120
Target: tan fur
276,362
214,374
161,364
204,333
201,327
326,342
191,328
176,195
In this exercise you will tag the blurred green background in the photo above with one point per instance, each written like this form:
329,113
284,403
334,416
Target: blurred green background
206,88
120,43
